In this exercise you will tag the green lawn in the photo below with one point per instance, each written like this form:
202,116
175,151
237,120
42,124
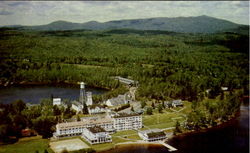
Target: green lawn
127,132
27,145
106,146
167,118
135,137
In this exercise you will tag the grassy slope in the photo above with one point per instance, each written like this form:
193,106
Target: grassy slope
167,118
27,145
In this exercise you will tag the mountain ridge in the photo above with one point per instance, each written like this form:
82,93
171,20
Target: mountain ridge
194,24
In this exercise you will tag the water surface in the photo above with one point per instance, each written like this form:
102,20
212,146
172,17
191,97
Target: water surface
34,93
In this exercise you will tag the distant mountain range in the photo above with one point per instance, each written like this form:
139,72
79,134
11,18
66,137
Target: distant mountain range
199,24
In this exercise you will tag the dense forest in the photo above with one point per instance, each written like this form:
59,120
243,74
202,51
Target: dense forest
166,64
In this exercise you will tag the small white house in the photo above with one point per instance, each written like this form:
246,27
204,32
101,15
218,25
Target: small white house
119,100
77,106
96,109
152,135
176,103
57,101
96,135
224,88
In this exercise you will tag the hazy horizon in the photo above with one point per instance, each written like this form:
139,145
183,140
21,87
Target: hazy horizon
45,12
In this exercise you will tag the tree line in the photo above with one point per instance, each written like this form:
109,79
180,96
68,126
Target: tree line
42,118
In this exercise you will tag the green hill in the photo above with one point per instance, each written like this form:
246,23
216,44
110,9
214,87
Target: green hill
199,24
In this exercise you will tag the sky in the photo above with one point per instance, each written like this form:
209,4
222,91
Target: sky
44,12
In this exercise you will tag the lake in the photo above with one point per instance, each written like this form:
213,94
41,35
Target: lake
232,137
34,93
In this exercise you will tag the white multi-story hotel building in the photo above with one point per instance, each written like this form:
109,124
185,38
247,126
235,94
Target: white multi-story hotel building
96,134
76,128
127,121
109,123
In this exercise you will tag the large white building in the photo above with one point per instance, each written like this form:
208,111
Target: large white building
96,135
152,135
76,128
124,121
110,123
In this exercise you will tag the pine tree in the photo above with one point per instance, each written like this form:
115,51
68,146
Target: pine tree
132,109
143,104
153,105
78,118
163,105
85,109
149,111
160,108
177,128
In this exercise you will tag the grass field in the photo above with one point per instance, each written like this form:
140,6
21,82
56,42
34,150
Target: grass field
69,145
167,118
127,132
27,145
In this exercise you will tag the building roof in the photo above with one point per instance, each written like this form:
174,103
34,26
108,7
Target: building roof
224,88
153,133
96,129
156,134
149,131
85,121
55,99
119,100
177,102
76,103
96,105
125,80
167,102
119,115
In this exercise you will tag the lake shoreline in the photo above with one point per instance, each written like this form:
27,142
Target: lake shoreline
124,145
222,125
35,83
34,92
141,143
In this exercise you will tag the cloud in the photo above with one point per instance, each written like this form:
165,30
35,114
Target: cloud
43,12
5,13
14,4
243,4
